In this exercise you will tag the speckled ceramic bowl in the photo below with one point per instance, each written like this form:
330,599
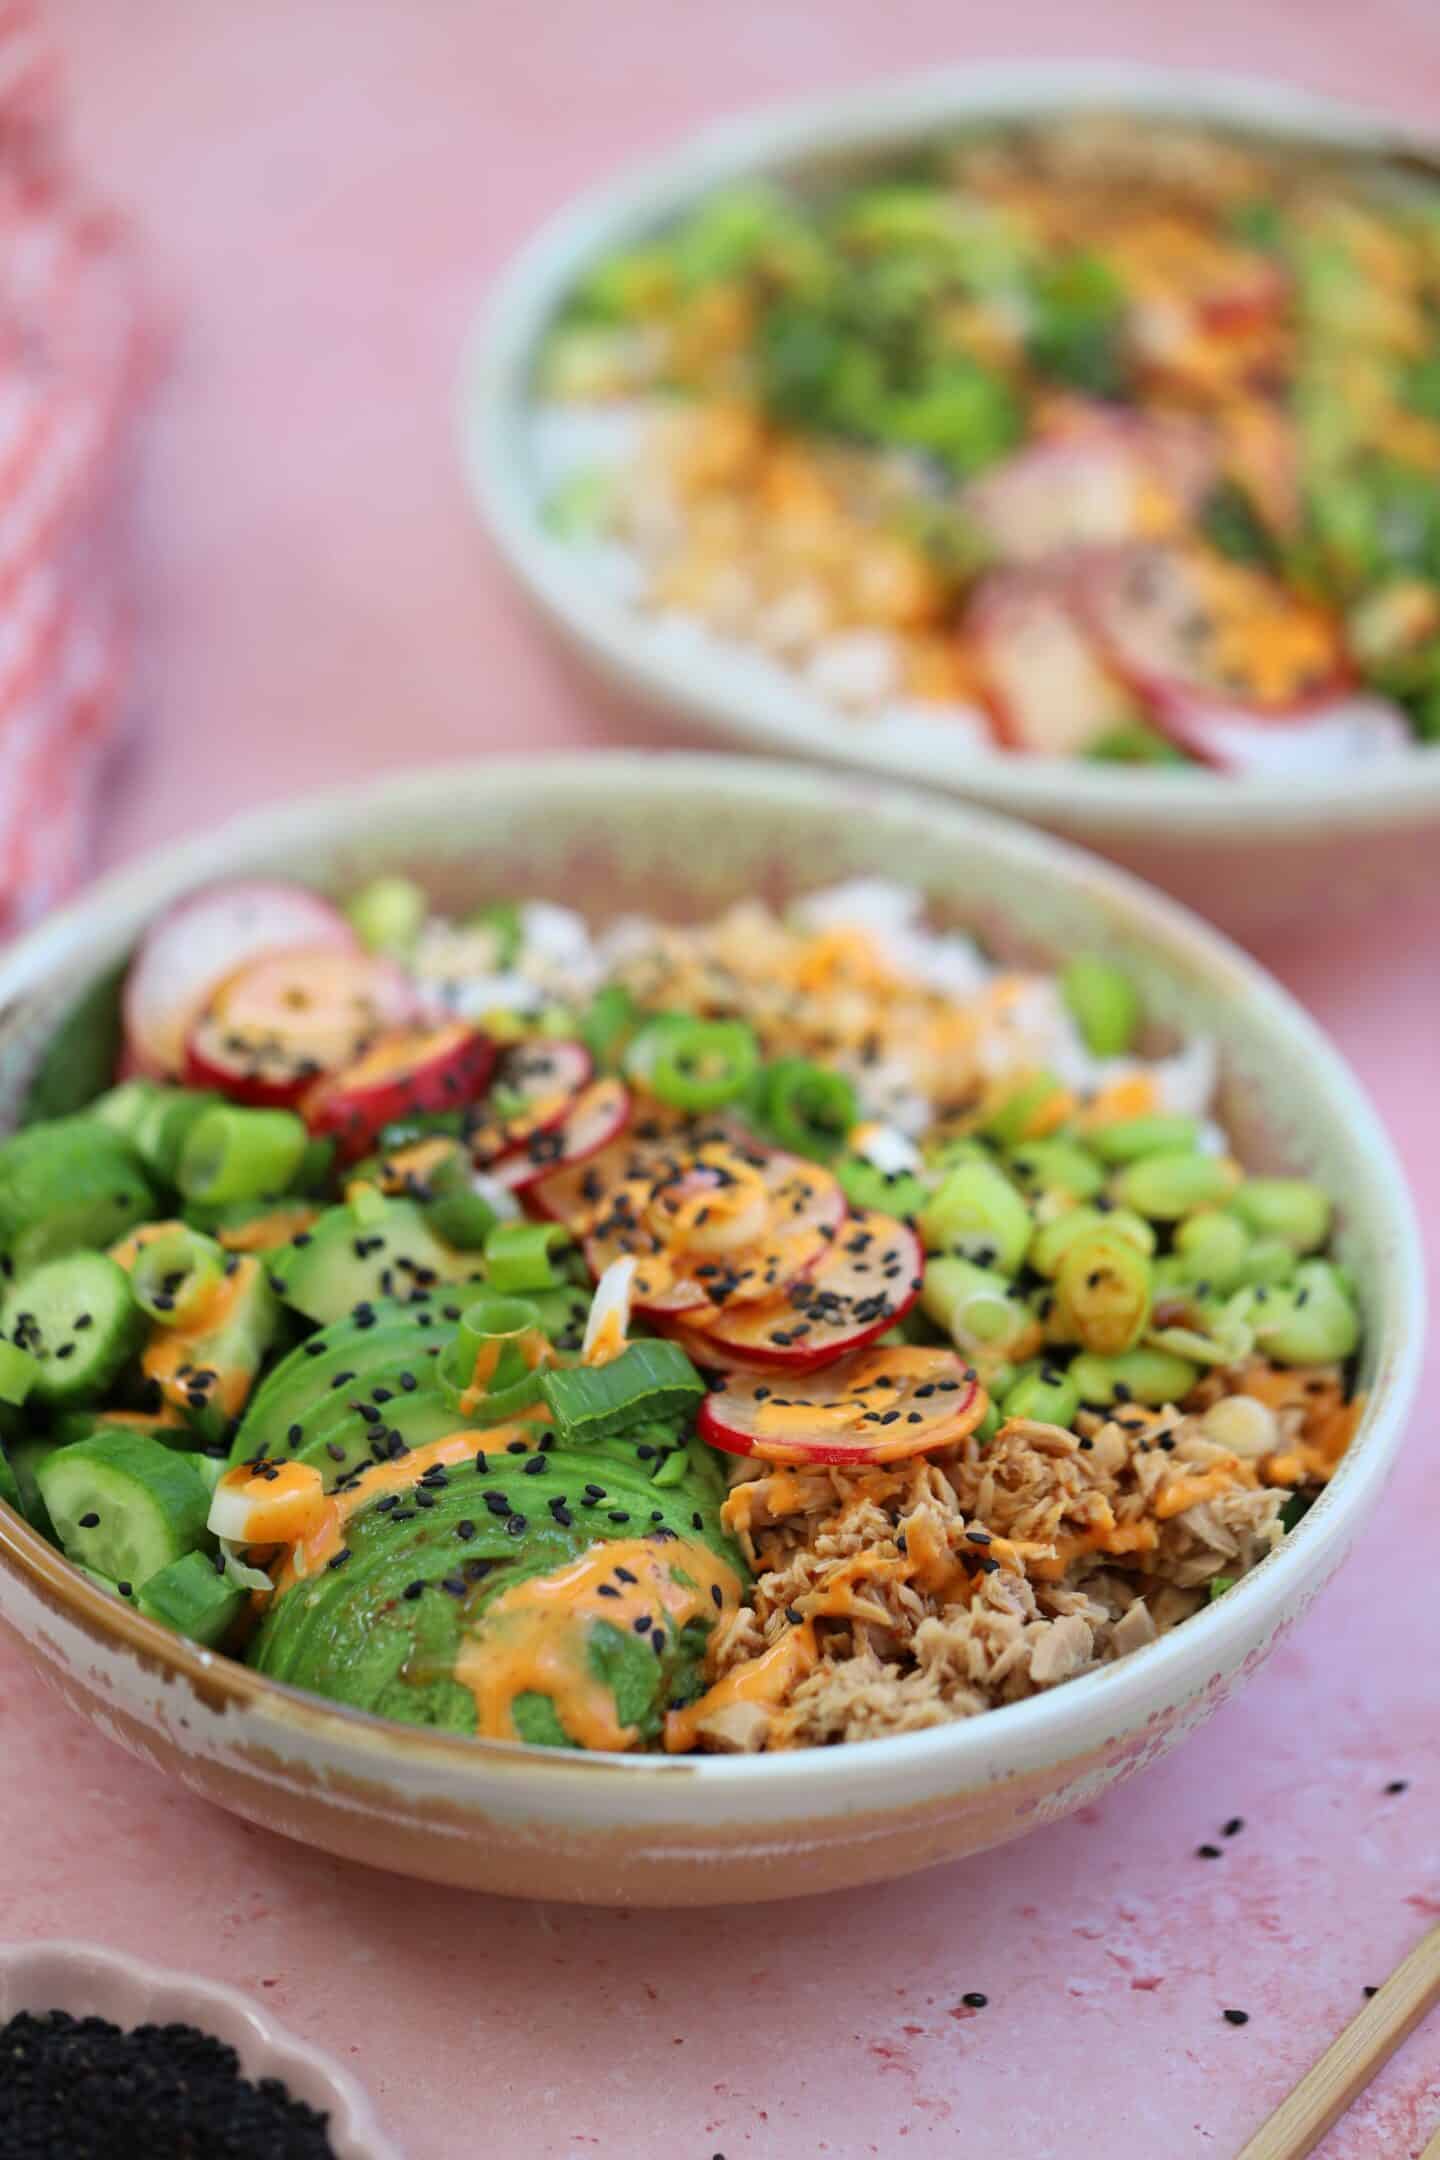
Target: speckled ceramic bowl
88,1980
684,835
1248,854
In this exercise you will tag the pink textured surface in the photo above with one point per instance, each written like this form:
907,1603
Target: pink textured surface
325,189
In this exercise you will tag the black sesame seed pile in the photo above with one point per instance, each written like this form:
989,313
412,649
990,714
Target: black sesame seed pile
83,2089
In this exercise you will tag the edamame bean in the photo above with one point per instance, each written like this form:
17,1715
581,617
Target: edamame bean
1153,1377
1311,1321
1211,1247
1031,1108
1128,1139
1047,1394
1103,1291
989,1424
387,913
1057,1167
979,1310
979,1215
1103,1003
1165,1187
1209,1337
1288,1208
1269,1261
1053,1240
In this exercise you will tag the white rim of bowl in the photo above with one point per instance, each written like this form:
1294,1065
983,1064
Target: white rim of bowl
494,405
162,1995
1061,1714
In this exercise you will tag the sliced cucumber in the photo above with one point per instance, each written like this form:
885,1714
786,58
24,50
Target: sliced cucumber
195,1597
155,1120
26,1455
79,1321
64,1186
9,1483
123,1505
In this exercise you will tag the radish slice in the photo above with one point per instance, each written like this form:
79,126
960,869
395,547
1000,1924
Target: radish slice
200,941
733,1226
408,1071
1190,626
1342,736
1046,685
869,1278
593,1120
1104,480
580,1196
534,1085
876,1406
268,1503
273,1028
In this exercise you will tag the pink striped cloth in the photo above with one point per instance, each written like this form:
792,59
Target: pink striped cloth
74,354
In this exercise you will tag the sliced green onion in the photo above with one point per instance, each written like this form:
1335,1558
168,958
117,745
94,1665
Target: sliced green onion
387,914
508,1328
238,1570
232,1154
1102,1292
174,1273
517,1256
1103,1003
647,1382
608,1023
1053,1240
1219,1584
805,1107
890,1192
697,1065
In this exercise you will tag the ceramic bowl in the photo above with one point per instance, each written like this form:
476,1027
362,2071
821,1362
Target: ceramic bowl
683,835
1250,854
88,1980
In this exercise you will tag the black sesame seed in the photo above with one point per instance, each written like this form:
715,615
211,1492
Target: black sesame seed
1233,1828
1237,2017
975,2000
1207,1852
414,1590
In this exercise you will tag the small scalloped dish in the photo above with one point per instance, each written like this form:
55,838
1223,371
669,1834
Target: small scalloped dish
88,1980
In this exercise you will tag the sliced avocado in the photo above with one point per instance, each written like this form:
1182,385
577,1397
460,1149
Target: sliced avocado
370,1248
65,1186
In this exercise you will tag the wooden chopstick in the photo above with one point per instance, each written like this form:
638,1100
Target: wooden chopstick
1349,2063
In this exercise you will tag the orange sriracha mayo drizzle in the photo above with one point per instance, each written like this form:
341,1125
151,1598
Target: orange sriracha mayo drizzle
268,1232
283,1500
534,1639
410,1166
534,1348
765,1681
171,1356
171,1348
311,1554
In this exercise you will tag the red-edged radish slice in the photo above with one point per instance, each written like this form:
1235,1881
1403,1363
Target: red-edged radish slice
270,1030
594,1118
1343,736
1182,624
729,1227
877,1406
869,1278
654,1141
1103,479
1043,680
268,1503
200,941
533,1087
404,1071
